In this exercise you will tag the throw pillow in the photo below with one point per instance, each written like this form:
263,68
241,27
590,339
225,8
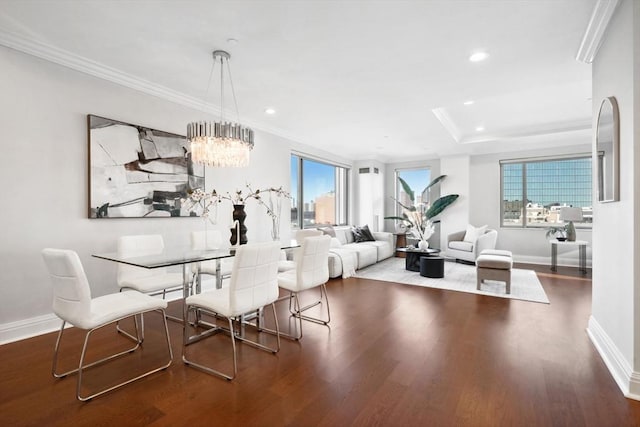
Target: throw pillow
362,234
473,233
328,230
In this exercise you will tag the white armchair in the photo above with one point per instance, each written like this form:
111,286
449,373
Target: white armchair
460,249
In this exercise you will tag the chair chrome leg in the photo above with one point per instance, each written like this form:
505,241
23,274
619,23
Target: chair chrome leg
323,290
145,374
82,367
187,340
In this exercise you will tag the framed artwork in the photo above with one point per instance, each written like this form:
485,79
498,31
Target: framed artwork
607,151
138,172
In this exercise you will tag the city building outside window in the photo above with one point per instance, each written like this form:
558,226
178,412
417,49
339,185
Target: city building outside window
418,179
533,191
319,193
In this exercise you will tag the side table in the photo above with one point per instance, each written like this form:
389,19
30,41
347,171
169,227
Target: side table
401,242
582,253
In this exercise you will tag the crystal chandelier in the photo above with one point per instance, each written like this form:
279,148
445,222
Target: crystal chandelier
220,143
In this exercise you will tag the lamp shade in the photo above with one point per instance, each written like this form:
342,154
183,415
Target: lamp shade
571,214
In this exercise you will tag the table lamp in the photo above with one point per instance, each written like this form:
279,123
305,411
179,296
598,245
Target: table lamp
569,215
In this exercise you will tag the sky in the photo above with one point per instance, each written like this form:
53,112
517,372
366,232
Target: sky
319,178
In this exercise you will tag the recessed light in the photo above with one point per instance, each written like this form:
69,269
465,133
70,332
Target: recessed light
232,41
469,102
269,111
478,56
479,129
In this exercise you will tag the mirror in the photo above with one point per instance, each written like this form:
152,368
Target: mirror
607,151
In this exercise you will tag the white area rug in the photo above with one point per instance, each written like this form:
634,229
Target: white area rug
459,277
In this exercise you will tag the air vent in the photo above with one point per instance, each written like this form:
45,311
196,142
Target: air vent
364,170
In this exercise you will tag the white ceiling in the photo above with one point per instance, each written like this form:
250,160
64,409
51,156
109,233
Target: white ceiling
381,80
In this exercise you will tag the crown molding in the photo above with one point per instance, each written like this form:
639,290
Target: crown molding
84,65
594,33
448,123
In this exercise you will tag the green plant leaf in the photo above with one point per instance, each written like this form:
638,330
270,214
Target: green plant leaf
435,181
409,208
407,190
426,193
440,205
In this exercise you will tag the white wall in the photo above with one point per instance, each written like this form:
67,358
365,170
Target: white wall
369,188
527,244
456,216
43,168
614,324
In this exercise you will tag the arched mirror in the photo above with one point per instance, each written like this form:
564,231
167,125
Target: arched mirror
607,150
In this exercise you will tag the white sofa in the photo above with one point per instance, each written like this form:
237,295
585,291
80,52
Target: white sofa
344,250
469,251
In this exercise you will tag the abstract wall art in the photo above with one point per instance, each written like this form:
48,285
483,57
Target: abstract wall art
138,172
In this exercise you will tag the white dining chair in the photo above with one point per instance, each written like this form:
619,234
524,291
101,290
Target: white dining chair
208,240
152,281
300,235
312,270
253,285
73,304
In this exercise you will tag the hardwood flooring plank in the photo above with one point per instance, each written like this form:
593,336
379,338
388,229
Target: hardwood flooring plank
394,355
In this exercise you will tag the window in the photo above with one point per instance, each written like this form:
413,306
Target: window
319,193
417,179
534,191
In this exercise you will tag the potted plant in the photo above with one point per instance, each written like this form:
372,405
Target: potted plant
417,216
559,232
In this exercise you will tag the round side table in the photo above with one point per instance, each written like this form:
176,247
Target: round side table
432,266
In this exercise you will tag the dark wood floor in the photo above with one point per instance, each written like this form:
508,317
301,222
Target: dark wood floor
394,355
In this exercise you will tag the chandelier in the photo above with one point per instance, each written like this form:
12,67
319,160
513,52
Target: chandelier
220,143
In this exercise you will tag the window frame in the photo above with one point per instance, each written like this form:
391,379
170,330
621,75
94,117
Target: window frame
398,186
342,173
524,162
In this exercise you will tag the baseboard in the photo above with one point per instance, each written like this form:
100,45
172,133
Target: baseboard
541,260
34,326
27,328
622,373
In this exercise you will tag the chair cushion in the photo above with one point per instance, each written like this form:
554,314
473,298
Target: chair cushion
461,246
153,283
216,301
473,233
497,262
286,266
288,280
109,308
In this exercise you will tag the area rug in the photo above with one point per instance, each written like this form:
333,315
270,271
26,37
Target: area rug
459,277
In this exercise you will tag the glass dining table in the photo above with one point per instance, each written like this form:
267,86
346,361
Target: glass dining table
184,256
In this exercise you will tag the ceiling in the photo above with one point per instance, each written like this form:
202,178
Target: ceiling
384,80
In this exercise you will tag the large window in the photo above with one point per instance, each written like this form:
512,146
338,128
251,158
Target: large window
417,179
534,190
319,193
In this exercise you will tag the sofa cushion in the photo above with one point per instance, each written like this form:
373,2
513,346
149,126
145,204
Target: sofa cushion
384,250
362,234
461,246
473,233
328,230
335,243
367,254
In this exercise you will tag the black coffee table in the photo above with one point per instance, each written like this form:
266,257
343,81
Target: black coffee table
412,261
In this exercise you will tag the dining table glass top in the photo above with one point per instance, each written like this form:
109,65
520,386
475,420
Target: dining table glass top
177,255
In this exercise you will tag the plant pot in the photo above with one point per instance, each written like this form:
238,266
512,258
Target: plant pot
423,245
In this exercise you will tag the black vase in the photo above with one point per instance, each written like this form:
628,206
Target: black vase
238,215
